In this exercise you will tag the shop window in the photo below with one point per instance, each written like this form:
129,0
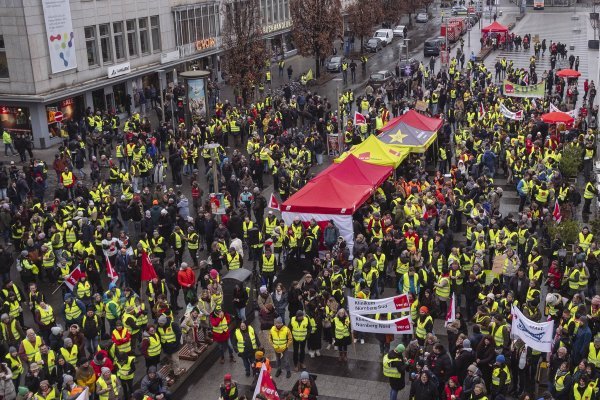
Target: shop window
119,41
105,45
131,38
3,60
155,30
91,46
144,36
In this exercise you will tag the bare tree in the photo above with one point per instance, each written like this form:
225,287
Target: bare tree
316,24
245,50
363,16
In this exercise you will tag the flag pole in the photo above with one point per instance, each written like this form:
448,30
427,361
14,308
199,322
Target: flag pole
58,287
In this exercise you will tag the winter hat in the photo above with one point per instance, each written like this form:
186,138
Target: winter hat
162,319
152,370
67,378
263,289
259,354
400,348
12,349
105,370
304,375
68,342
278,320
472,368
466,344
500,359
213,273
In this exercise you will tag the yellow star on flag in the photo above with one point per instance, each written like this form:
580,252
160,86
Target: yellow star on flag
397,137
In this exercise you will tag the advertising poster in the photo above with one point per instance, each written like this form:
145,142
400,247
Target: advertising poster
60,35
196,99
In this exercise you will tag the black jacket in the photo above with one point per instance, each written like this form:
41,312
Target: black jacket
423,391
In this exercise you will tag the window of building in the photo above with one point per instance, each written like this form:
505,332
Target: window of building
144,36
286,10
119,40
91,46
105,45
131,38
155,32
3,60
198,23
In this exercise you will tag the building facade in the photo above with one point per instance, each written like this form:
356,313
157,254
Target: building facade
60,59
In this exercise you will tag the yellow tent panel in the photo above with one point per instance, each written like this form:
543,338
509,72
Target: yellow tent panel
374,151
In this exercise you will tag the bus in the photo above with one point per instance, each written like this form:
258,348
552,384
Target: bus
538,4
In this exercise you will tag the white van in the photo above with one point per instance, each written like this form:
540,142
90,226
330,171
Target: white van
386,36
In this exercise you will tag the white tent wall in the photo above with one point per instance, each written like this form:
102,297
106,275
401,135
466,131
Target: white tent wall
343,222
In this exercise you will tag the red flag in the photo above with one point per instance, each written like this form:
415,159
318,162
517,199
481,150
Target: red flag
148,272
265,385
451,314
273,203
359,119
556,213
110,271
74,277
401,302
481,110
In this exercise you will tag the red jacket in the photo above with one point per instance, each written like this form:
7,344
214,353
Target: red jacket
215,321
125,339
186,278
107,363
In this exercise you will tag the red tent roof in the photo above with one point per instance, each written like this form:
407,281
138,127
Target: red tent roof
416,120
495,27
357,172
328,195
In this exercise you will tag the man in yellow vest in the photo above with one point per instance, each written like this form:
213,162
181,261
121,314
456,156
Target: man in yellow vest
281,339
301,327
589,194
246,342
593,356
67,178
151,347
394,366
170,335
45,319
29,348
125,366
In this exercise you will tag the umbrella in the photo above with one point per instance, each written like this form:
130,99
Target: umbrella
568,73
557,117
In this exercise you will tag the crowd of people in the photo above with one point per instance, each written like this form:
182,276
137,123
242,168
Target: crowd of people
111,205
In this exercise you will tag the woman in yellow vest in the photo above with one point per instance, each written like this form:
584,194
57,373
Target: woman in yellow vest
343,333
108,386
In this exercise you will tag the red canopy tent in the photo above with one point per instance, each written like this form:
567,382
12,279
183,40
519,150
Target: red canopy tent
357,172
568,73
495,27
557,117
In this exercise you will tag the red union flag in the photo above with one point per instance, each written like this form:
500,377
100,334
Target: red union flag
403,325
74,277
359,119
265,386
401,302
110,271
556,213
273,203
148,271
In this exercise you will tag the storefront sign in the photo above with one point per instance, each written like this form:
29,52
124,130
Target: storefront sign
60,35
277,27
67,103
205,44
118,70
169,56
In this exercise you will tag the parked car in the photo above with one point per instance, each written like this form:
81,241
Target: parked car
380,78
432,46
373,45
408,66
399,31
386,36
459,10
335,64
422,17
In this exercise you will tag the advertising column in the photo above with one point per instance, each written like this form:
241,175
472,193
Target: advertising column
196,96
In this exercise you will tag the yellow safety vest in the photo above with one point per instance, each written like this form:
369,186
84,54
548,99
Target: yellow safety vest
420,331
72,311
32,350
70,356
46,316
388,370
125,347
240,339
125,370
496,376
443,292
222,327
16,365
101,382
67,178
233,261
268,263
299,330
342,329
594,356
154,346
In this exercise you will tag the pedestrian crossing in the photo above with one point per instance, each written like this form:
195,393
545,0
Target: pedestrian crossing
552,27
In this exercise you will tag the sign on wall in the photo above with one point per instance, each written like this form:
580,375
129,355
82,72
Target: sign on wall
119,69
60,35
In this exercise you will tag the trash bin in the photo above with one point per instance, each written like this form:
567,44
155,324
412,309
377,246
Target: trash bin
232,278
